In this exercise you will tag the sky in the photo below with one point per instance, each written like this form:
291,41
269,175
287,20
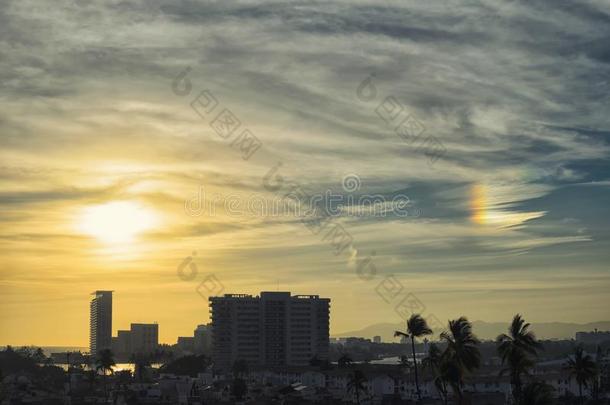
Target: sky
127,126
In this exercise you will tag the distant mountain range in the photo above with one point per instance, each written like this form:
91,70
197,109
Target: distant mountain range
487,330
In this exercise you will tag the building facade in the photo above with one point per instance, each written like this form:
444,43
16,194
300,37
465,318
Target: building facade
144,337
186,344
594,337
202,339
121,344
141,338
100,322
274,329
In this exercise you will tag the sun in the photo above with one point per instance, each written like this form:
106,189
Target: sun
117,221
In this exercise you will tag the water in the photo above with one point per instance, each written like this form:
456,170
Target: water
387,360
396,359
117,367
53,349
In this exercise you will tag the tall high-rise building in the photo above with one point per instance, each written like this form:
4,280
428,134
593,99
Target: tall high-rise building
274,329
100,322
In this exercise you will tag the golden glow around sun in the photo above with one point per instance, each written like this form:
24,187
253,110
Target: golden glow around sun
116,222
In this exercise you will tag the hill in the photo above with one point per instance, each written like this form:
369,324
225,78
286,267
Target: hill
487,330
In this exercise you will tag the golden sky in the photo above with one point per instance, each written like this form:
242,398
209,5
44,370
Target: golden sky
104,150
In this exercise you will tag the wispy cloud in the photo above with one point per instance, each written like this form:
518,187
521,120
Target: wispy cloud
515,91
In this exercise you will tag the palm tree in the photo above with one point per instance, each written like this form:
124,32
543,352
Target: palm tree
516,350
518,364
436,363
596,379
416,327
38,356
356,384
104,362
140,362
538,393
583,368
462,353
68,373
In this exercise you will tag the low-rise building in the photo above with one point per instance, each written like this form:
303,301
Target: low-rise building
141,338
594,337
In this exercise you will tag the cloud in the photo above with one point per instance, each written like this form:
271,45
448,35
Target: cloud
514,91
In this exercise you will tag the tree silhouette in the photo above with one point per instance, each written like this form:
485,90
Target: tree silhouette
416,327
516,349
462,353
537,393
140,361
104,362
597,378
344,361
39,356
356,384
436,362
189,365
583,368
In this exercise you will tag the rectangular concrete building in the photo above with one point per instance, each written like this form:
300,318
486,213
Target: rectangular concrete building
202,339
141,338
144,338
274,329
